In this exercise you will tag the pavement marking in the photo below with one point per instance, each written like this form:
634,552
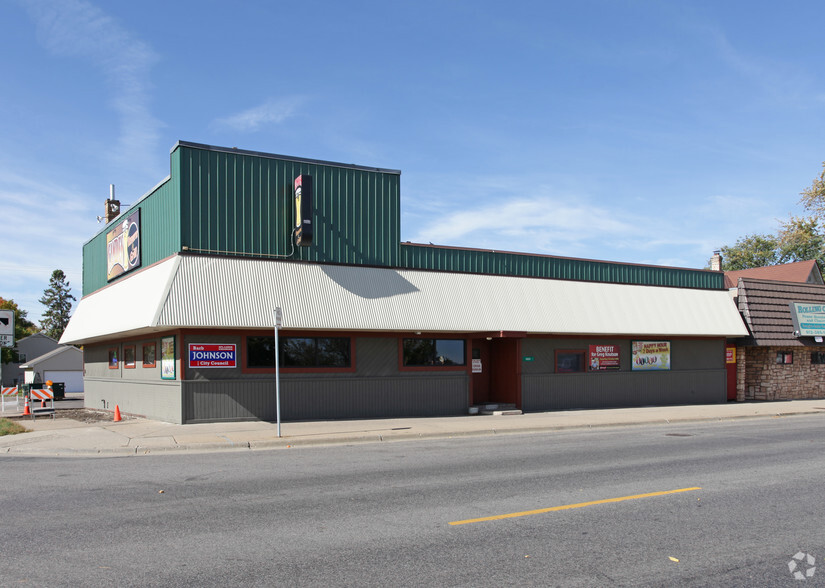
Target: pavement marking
525,513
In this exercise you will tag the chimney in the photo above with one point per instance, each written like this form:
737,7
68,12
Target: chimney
112,205
716,261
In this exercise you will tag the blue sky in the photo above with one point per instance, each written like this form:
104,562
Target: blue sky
635,131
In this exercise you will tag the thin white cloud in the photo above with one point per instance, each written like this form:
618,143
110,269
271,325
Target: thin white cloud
270,112
75,28
50,222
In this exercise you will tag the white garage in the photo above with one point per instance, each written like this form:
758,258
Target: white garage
64,364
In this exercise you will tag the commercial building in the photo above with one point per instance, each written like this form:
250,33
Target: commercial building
180,291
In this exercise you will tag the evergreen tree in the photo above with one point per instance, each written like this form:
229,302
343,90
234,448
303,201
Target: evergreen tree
57,299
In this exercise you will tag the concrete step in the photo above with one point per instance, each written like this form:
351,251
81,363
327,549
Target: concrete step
495,408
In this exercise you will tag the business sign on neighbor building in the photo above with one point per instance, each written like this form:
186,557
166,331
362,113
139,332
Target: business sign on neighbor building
212,355
808,319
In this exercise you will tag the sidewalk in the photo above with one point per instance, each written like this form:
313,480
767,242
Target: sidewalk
137,436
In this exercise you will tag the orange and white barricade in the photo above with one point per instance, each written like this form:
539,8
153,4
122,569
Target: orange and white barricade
6,394
42,394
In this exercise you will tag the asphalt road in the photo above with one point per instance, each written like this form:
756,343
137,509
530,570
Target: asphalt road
750,498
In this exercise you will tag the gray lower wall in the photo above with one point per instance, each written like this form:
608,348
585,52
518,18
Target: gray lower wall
161,400
561,391
325,398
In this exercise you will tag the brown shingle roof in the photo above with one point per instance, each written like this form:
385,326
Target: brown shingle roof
765,306
798,271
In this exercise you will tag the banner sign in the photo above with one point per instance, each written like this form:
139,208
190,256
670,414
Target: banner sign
604,358
123,247
650,355
212,355
808,319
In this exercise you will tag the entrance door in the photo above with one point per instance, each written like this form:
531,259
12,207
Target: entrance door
499,380
481,372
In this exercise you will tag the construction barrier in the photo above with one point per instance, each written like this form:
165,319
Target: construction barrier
42,394
6,394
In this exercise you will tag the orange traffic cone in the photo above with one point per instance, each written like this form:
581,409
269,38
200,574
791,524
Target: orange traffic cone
117,414
42,403
26,411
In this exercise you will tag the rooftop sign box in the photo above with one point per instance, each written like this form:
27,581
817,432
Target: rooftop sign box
808,319
123,246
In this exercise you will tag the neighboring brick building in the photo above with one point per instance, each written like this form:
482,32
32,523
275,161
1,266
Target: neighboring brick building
774,363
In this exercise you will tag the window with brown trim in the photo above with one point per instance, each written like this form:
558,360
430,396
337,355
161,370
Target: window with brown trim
299,352
569,361
149,353
129,357
113,358
434,352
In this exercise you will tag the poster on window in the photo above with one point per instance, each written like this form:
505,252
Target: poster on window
604,358
167,358
650,355
211,355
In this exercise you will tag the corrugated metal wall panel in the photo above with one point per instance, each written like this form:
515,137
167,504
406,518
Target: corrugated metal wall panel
617,389
325,398
243,204
427,257
159,234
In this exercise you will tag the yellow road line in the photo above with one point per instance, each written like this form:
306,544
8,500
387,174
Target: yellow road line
525,513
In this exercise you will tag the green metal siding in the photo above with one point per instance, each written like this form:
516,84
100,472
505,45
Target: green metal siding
159,234
428,257
243,204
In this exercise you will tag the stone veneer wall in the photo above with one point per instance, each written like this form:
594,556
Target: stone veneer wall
759,377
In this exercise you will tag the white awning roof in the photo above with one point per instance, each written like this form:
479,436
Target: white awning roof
210,292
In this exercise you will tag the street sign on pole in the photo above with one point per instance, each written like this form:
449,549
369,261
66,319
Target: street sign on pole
6,328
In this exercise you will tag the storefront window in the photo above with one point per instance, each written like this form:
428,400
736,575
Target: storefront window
113,359
434,352
129,356
149,352
570,361
299,352
818,357
784,357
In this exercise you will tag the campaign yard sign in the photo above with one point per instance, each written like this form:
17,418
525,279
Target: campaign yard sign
212,355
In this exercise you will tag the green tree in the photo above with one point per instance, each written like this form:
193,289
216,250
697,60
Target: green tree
813,198
57,299
750,251
800,239
22,328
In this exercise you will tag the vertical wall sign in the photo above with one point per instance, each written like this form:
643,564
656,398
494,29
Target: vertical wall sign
167,358
123,247
303,210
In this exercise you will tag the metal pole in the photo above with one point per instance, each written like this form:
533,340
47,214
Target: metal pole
277,313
